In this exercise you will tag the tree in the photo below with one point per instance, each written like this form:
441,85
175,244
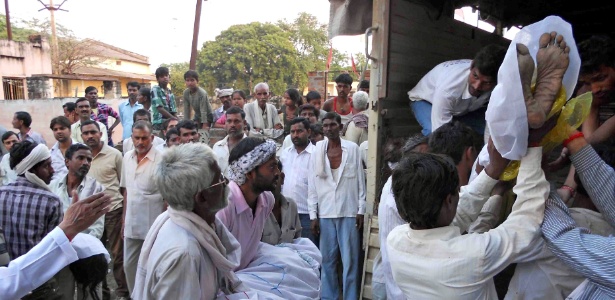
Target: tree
73,53
244,55
177,82
19,34
310,39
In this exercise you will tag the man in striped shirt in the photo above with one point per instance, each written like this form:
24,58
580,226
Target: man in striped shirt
591,255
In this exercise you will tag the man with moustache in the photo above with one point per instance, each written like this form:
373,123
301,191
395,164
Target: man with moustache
128,108
85,113
39,210
309,112
336,203
106,168
294,159
253,173
188,131
70,112
78,160
260,114
101,112
142,198
192,250
61,132
235,121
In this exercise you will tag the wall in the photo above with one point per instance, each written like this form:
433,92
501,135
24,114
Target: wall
22,59
42,111
125,66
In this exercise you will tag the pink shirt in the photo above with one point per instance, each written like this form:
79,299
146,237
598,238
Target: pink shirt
222,120
245,227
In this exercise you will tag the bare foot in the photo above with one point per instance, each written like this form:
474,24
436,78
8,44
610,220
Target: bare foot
552,62
535,115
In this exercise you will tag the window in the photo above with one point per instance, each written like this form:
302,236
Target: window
13,88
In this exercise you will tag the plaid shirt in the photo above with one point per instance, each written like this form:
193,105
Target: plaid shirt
161,98
104,111
27,214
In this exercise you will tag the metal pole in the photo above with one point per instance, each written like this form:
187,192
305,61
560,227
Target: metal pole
9,31
195,34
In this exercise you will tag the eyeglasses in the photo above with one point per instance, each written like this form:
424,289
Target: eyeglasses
223,180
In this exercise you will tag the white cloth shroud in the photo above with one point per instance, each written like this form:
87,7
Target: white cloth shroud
506,114
284,271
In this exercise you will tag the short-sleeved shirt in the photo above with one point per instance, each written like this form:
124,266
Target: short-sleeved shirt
107,170
127,112
144,202
102,114
161,98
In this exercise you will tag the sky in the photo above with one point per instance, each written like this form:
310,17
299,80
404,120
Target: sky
162,30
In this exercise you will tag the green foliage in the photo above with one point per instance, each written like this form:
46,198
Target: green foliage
177,82
20,34
281,54
244,55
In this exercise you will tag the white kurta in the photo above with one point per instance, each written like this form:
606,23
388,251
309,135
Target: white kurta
446,88
440,263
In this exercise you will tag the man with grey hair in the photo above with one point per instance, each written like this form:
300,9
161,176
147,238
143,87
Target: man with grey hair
260,114
193,250
142,200
356,129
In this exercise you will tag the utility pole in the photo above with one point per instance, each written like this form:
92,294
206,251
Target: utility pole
9,30
54,38
195,34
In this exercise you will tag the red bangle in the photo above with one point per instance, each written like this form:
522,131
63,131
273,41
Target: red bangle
572,138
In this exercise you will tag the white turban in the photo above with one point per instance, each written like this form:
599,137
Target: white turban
223,92
38,154
238,169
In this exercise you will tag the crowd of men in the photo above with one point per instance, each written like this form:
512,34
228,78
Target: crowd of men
183,220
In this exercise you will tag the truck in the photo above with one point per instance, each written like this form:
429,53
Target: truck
408,38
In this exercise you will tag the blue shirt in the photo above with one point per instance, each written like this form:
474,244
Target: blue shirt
126,116
591,255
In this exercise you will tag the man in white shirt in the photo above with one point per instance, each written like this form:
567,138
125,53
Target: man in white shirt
61,132
143,115
142,200
106,168
309,112
336,203
457,88
8,175
60,247
85,113
188,253
171,140
234,124
260,114
78,160
430,259
294,159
